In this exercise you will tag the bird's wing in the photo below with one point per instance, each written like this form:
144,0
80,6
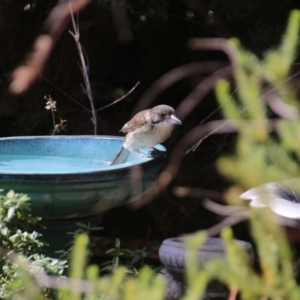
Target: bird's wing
128,127
135,122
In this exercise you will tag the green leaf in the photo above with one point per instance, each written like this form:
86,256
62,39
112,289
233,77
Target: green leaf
128,251
10,194
110,250
136,259
115,261
10,213
108,268
97,228
81,225
4,231
106,263
117,243
60,251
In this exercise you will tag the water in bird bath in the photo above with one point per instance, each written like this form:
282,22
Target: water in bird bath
40,164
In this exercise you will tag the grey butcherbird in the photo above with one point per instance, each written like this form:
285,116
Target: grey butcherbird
146,129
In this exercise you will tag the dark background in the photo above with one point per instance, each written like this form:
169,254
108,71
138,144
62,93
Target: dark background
160,31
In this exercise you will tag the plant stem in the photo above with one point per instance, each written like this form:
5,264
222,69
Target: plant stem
53,120
84,69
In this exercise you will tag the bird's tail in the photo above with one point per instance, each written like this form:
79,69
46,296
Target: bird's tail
121,157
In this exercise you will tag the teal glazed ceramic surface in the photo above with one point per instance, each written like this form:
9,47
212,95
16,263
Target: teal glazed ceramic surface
70,176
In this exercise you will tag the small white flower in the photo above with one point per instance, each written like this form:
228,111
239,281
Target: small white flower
50,104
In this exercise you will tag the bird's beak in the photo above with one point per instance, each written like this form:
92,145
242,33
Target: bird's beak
175,120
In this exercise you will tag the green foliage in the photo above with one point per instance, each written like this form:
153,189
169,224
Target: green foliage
197,279
117,252
261,155
25,270
84,281
82,228
20,248
14,211
275,280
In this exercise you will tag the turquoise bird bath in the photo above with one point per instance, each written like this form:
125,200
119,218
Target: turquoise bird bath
69,179
70,176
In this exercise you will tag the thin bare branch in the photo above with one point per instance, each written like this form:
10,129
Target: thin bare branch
174,76
218,44
229,210
201,90
84,68
44,280
24,75
182,191
60,16
233,294
197,144
118,10
177,155
281,108
55,282
228,222
223,210
64,93
119,99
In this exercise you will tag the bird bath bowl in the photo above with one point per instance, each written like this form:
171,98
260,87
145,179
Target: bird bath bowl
70,176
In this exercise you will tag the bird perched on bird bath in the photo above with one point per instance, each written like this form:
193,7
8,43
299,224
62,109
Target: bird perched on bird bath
145,130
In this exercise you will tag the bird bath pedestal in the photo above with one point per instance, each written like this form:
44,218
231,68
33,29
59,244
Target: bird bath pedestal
172,253
69,179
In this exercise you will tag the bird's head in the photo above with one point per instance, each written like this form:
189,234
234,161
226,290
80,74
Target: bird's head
165,114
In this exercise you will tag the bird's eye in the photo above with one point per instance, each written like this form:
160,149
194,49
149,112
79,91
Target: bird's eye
163,115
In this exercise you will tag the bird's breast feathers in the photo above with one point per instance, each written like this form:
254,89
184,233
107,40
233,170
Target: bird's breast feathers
148,136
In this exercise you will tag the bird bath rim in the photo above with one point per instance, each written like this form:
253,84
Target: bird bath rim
106,171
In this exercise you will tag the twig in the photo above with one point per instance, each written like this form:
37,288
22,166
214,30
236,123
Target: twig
55,282
228,222
118,11
223,210
174,76
196,145
85,108
214,44
119,99
201,90
233,294
281,108
64,93
84,69
44,280
235,214
177,155
181,191
229,210
24,75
